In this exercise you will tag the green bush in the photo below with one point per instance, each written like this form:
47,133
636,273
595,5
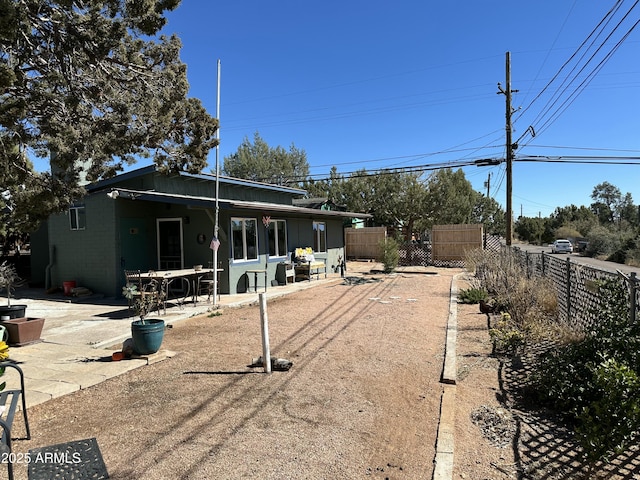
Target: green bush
390,254
602,242
594,381
610,422
472,295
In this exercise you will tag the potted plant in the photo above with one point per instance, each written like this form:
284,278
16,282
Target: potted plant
21,330
147,334
8,279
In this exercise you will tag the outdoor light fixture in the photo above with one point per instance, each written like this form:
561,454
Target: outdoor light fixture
113,194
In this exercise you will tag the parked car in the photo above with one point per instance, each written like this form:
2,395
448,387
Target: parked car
561,246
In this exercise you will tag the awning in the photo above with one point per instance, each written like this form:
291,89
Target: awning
208,202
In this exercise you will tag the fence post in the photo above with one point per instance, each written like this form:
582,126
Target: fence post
568,289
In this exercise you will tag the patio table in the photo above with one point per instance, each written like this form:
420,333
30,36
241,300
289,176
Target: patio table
188,277
255,279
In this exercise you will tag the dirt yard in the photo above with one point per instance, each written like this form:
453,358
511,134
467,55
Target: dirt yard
361,400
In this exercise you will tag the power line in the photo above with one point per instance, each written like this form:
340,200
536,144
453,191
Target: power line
581,160
565,64
548,115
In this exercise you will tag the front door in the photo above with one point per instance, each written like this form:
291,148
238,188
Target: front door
170,244
136,246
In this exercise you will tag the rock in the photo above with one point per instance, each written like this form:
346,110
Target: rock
277,364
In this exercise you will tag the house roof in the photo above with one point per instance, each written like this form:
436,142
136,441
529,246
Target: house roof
207,177
317,203
208,202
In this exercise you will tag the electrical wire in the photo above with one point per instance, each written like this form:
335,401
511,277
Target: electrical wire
580,88
567,62
553,44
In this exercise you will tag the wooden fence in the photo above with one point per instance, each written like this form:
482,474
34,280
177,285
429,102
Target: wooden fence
450,242
364,243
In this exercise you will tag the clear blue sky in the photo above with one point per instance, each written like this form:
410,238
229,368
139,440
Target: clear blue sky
372,84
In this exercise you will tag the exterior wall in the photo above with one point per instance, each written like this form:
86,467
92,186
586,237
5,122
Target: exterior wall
142,217
84,256
122,234
299,234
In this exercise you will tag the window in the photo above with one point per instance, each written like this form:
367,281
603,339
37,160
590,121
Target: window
77,218
319,237
278,238
244,235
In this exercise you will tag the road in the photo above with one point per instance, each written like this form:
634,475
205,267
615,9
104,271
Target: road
577,258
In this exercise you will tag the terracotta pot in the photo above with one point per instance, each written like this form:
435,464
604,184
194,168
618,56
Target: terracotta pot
23,331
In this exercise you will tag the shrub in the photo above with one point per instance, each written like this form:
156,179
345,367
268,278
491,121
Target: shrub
528,300
390,254
611,421
602,242
594,381
472,295
507,336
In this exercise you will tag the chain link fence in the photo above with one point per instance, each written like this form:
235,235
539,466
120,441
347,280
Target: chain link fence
420,254
577,286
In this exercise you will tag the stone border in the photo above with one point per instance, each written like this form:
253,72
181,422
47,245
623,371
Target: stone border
443,462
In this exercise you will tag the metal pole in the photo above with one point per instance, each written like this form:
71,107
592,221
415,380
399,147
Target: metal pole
215,225
264,322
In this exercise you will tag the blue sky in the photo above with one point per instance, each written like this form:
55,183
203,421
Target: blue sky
379,84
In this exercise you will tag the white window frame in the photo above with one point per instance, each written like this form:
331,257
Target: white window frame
276,243
77,217
319,237
244,221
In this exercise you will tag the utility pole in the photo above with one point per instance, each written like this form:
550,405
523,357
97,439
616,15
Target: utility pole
507,93
488,184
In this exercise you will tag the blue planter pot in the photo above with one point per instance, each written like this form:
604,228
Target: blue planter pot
147,335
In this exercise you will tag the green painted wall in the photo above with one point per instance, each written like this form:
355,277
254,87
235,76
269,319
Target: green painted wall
85,256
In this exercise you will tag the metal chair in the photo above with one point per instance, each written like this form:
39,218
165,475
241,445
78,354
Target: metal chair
147,289
205,283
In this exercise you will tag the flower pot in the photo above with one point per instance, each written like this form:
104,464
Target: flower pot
147,335
23,331
13,311
68,287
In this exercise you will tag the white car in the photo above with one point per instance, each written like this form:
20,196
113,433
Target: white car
561,246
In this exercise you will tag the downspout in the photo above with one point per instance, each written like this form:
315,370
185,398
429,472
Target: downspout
47,270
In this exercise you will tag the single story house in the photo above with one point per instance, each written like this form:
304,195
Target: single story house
147,220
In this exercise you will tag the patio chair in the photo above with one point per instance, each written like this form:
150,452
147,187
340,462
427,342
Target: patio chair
205,284
147,288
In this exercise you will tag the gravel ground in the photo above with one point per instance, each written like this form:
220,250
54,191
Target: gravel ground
360,401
